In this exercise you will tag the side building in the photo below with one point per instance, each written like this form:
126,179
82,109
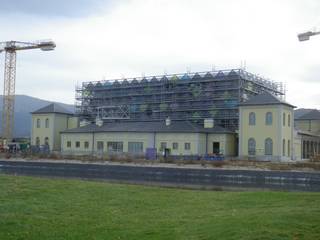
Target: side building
266,128
179,138
48,122
308,133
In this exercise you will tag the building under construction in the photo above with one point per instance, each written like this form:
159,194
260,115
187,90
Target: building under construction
186,96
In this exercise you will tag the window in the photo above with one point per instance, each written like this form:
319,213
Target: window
38,123
47,123
268,146
100,146
284,119
68,144
289,146
175,146
268,118
283,147
251,146
115,146
163,145
37,141
187,146
135,147
86,145
289,120
77,144
252,118
46,141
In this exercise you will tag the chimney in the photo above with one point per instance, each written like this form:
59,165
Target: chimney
83,123
208,123
168,121
99,122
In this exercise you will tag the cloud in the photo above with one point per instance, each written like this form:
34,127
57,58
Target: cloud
69,8
152,37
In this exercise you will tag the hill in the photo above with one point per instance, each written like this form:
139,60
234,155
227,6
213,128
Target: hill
24,105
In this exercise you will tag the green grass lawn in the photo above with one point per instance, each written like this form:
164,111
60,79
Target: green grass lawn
39,208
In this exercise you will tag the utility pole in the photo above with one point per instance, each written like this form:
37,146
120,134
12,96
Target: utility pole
10,49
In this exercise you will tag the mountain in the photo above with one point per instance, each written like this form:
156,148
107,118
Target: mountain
24,105
301,111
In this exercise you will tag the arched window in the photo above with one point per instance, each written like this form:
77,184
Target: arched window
289,148
289,120
268,146
46,141
283,147
38,123
284,119
47,123
252,118
37,141
251,146
269,118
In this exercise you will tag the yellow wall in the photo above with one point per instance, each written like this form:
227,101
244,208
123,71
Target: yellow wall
260,131
57,123
73,122
60,125
308,125
181,139
197,142
227,143
42,132
145,138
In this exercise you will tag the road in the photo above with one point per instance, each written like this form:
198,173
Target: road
204,178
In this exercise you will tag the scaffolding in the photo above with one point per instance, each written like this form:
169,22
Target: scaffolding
185,96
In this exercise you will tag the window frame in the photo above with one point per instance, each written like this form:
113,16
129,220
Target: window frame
269,119
100,146
77,144
251,146
38,123
175,146
268,147
116,146
47,123
69,144
284,119
163,145
187,144
135,147
252,119
86,144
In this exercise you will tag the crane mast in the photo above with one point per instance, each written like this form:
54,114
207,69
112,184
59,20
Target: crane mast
10,49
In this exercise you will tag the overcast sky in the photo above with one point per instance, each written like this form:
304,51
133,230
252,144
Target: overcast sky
113,39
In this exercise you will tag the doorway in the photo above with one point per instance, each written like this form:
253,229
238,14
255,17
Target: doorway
216,147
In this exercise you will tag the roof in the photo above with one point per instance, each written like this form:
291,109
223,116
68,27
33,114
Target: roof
265,98
52,108
313,134
154,126
312,115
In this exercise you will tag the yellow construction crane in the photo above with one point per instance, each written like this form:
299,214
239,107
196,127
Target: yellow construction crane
10,48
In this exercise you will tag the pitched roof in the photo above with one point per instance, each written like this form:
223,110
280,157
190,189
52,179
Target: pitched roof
312,115
154,126
52,108
265,98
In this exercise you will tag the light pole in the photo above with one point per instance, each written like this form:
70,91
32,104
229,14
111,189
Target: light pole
306,35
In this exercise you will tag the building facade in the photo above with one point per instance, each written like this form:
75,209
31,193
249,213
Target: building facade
48,122
180,138
266,128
